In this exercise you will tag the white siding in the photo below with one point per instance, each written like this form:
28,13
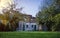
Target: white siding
29,28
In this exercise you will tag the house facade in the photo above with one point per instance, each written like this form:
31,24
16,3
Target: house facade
23,26
29,24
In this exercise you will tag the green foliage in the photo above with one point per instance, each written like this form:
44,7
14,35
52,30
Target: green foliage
50,16
10,18
56,26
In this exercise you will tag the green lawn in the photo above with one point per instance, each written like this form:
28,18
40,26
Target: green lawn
29,34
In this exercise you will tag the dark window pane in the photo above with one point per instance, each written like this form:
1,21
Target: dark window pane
26,26
32,26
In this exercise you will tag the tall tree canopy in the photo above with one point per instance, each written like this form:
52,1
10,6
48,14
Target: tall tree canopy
50,16
10,18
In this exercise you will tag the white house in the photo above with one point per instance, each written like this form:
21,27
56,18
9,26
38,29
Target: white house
29,24
23,26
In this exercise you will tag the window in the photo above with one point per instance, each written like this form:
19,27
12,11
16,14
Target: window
26,26
32,26
35,27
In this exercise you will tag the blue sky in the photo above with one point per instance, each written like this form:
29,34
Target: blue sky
32,6
29,6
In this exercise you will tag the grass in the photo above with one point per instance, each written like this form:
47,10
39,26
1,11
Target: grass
29,34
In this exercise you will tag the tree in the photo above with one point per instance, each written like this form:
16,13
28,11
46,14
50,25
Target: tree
56,26
10,18
47,15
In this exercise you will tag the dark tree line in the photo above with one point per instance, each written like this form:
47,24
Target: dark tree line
50,16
